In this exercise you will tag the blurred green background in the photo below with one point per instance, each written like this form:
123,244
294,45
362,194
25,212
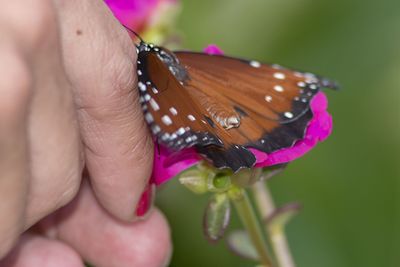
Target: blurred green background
349,185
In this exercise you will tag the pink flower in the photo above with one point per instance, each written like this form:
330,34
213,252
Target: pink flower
168,164
137,14
213,49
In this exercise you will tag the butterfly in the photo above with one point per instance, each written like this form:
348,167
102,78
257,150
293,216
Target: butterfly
222,105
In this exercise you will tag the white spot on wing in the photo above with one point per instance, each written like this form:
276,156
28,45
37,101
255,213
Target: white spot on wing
255,64
166,120
191,117
279,75
288,115
180,131
301,84
278,88
154,104
268,98
139,72
173,111
148,117
142,87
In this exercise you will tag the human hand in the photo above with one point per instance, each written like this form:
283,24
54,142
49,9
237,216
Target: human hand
69,99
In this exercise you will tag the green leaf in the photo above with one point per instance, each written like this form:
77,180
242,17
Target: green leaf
239,243
216,217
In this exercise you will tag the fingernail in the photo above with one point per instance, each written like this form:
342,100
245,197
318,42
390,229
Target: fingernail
146,201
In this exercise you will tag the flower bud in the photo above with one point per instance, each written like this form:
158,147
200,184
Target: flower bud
195,180
220,182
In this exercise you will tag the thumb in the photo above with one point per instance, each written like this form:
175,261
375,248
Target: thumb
101,62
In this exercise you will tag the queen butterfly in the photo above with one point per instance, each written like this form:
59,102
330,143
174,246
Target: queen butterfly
223,105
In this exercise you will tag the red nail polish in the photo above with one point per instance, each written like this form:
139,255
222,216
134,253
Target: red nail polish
146,201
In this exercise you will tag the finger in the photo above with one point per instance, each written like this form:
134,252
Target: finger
15,85
106,242
101,63
35,250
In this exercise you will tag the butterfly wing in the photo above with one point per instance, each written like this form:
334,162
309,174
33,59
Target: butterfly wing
224,105
271,102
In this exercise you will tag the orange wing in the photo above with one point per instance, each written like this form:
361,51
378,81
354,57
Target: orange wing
224,105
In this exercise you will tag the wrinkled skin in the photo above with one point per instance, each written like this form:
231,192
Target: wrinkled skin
69,101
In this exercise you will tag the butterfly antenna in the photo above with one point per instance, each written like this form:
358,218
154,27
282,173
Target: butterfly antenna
134,33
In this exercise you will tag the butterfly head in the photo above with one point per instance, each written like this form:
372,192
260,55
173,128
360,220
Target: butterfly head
167,57
145,47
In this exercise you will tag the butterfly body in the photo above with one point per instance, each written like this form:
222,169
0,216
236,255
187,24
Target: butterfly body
222,105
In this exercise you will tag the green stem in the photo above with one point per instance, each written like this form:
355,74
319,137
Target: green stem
247,215
276,234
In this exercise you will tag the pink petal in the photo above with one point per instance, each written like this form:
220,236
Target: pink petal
132,13
213,49
168,164
319,128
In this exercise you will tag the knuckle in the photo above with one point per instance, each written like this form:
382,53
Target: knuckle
116,93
